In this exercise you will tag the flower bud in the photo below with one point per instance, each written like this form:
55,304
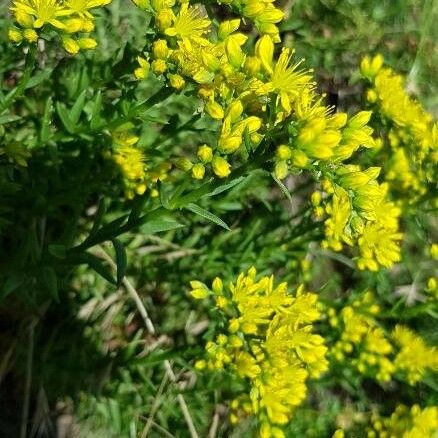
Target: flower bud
164,18
177,81
15,35
198,171
284,152
299,159
221,167
205,153
217,286
87,43
199,294
73,25
30,35
159,66
160,49
271,15
234,110
70,45
214,110
281,169
184,164
253,8
228,145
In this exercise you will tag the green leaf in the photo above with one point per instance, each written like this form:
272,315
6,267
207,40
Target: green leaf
101,210
247,140
64,115
12,283
158,226
49,280
97,265
6,118
38,78
207,215
283,188
227,186
77,108
121,260
108,230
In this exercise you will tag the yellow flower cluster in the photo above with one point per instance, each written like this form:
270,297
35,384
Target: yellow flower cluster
412,153
362,339
137,176
254,96
358,213
269,344
372,352
415,357
71,19
405,422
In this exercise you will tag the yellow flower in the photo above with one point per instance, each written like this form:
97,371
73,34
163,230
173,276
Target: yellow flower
271,346
378,246
339,212
189,23
42,11
407,423
415,356
317,139
82,7
362,343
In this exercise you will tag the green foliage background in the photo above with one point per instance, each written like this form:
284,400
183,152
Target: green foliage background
95,370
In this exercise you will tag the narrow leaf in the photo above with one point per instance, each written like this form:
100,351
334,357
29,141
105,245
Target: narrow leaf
158,226
283,188
121,260
12,283
77,108
227,186
207,215
65,117
101,210
6,118
98,266
38,78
